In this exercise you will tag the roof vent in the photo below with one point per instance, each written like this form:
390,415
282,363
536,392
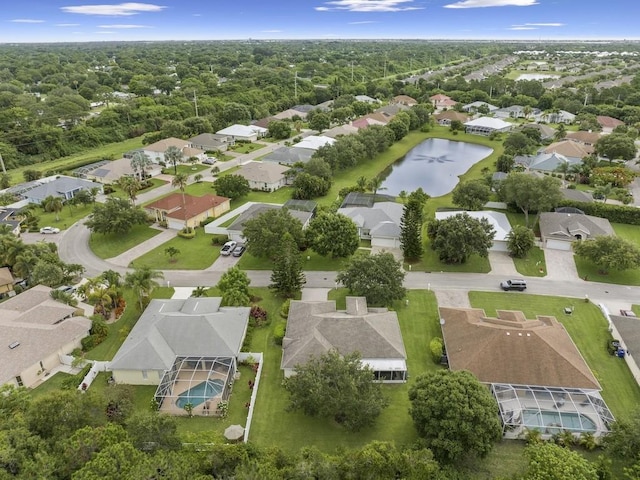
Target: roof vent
14,345
528,334
508,333
519,334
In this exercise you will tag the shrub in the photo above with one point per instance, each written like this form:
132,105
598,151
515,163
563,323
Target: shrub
219,240
614,213
435,346
88,342
259,315
284,309
72,382
279,331
187,233
206,221
108,189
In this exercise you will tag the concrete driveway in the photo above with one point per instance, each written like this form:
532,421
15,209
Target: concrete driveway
560,265
502,264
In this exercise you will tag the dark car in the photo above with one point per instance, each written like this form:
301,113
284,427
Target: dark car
239,250
514,284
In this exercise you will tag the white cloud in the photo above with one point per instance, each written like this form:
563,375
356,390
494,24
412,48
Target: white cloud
521,27
26,20
103,32
545,24
67,25
363,22
123,26
491,3
120,9
197,14
270,31
368,6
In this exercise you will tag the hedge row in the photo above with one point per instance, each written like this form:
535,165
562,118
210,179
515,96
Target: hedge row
613,213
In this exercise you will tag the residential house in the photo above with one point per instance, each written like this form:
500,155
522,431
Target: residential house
561,116
340,131
497,220
391,110
448,116
626,330
559,230
6,282
569,148
315,328
11,218
545,162
441,102
264,176
473,107
608,124
189,348
588,139
56,186
156,151
486,126
379,222
37,330
576,195
289,155
211,142
176,215
532,367
244,133
368,120
516,111
546,132
404,100
305,108
314,142
109,172
234,231
366,99
264,122
291,114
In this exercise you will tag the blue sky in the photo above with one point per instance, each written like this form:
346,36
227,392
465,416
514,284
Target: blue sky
80,21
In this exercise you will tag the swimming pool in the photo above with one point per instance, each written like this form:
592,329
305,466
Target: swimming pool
555,422
200,393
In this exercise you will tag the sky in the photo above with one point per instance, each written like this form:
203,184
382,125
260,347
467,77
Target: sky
34,21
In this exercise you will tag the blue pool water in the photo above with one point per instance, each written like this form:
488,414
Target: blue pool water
200,393
557,421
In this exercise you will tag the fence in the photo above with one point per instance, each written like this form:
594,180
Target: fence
631,363
96,368
257,357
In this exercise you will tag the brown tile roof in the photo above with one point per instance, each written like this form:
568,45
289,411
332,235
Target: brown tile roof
439,97
162,145
589,138
172,204
451,115
5,276
404,99
512,349
608,122
570,148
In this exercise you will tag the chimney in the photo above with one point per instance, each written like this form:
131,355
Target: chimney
357,306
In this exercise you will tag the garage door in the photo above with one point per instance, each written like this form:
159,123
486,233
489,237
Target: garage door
385,242
558,245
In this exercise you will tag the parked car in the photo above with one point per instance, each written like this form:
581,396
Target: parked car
627,313
44,230
514,284
209,161
227,248
239,250
67,289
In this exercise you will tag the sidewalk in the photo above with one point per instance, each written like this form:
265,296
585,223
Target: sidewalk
124,259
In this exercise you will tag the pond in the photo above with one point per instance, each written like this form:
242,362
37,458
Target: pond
536,76
434,165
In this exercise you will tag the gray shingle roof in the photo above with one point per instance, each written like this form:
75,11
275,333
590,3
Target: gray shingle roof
259,208
191,327
565,226
382,219
289,155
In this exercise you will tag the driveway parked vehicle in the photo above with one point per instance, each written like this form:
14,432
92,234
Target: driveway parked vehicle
227,248
209,161
239,250
45,230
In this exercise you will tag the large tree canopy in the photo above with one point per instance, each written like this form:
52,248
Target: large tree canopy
337,386
459,236
531,194
616,146
548,461
455,414
472,194
116,215
333,234
265,232
231,186
609,253
377,277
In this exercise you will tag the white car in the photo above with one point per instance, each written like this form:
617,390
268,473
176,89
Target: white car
227,248
44,230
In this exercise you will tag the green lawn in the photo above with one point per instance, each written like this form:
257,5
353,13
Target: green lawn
311,261
533,265
431,263
155,183
588,329
587,269
195,254
108,151
68,216
52,384
112,245
246,147
188,169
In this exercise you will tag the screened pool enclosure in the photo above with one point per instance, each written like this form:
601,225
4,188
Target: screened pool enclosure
196,383
550,410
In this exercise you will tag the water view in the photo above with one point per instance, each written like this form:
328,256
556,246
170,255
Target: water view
434,165
537,76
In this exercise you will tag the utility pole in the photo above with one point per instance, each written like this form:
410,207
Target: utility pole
195,101
586,96
4,170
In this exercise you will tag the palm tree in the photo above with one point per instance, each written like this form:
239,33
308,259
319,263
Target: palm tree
563,168
199,292
24,264
140,161
361,183
403,196
53,204
142,281
180,180
130,186
101,298
375,186
603,192
173,155
561,132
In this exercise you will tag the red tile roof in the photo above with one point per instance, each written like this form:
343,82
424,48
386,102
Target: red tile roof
608,122
194,206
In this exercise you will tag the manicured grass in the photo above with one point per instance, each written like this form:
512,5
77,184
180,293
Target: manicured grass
246,147
229,222
311,261
108,151
274,426
279,196
155,183
68,216
195,254
186,168
431,263
587,328
533,265
112,245
52,384
591,272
